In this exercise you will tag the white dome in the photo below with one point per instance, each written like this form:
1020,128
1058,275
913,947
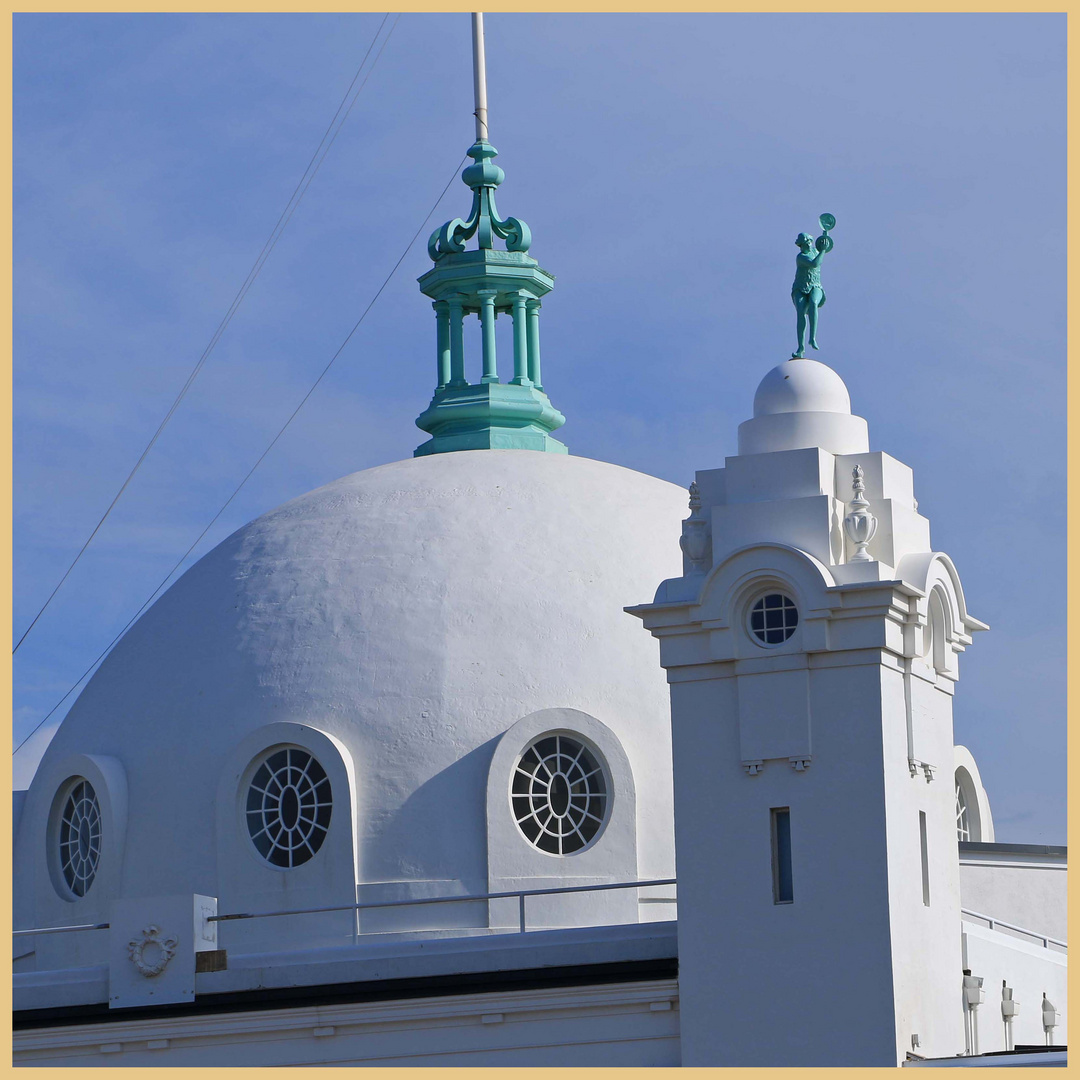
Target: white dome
801,386
411,612
802,404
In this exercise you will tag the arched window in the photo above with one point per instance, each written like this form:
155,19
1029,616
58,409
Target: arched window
938,631
963,821
968,818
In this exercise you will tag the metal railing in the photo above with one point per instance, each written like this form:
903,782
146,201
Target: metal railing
61,929
994,924
518,894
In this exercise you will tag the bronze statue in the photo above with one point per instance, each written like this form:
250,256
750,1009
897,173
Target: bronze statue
807,293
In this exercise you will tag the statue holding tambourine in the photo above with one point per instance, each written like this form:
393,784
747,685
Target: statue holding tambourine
806,292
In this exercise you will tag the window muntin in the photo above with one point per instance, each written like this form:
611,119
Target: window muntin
289,804
963,819
559,794
773,618
80,837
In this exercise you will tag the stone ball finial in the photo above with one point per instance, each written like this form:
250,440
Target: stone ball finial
803,403
801,386
483,171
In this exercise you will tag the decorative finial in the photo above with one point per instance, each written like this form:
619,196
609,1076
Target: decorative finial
484,222
806,292
860,525
483,177
696,539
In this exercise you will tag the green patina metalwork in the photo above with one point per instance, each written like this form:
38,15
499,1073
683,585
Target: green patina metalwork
486,282
807,293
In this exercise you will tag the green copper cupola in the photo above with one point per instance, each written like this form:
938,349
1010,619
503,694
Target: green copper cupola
486,282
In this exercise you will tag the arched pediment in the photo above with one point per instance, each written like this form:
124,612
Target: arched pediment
750,567
752,573
930,569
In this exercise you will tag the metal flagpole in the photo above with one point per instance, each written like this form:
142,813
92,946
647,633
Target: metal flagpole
479,78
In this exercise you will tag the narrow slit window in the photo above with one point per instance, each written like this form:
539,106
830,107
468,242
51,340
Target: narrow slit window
781,855
925,859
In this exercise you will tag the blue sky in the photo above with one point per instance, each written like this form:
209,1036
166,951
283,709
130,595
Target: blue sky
664,164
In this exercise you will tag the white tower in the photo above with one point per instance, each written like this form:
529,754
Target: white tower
811,649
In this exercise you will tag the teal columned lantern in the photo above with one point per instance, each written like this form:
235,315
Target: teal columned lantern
486,282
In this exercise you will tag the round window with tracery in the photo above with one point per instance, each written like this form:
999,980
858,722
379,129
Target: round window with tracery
559,795
288,807
773,618
80,837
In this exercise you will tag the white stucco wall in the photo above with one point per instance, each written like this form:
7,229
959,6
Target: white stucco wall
836,693
926,964
625,1024
1025,889
775,956
847,724
413,613
633,1022
1029,970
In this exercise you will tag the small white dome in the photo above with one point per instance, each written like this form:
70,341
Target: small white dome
801,386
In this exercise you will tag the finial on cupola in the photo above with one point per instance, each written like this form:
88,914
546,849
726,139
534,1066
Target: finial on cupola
486,282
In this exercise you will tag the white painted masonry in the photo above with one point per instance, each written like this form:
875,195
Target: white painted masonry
409,615
846,726
626,1024
414,628
1017,883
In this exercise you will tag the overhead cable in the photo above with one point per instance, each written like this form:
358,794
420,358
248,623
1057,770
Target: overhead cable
327,140
281,431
